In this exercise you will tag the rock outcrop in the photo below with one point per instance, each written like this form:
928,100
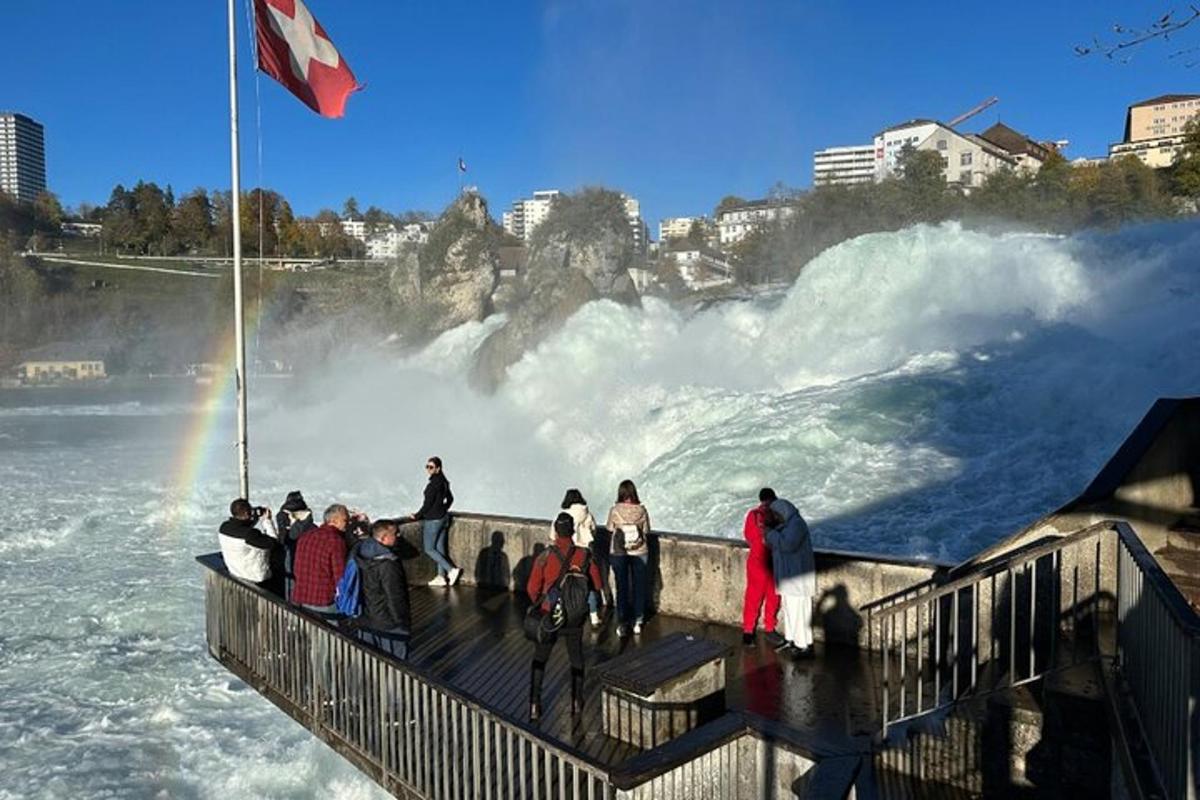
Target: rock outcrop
581,252
451,279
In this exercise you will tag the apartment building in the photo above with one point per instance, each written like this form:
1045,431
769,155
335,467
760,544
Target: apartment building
844,165
1154,128
22,157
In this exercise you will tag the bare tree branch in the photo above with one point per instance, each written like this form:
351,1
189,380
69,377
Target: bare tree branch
1130,39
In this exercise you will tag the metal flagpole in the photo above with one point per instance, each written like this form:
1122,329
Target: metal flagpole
238,309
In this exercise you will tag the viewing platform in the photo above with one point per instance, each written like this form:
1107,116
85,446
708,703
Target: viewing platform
1064,662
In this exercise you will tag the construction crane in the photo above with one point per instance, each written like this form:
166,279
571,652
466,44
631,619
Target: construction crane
991,101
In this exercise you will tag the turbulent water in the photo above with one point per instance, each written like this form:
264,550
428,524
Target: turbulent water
920,392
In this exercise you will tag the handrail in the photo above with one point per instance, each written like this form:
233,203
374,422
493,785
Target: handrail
1019,559
941,632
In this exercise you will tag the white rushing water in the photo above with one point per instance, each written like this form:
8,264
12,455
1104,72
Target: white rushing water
921,392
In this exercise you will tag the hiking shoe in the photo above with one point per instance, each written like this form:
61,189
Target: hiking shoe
622,631
748,639
637,628
454,575
595,615
438,580
775,639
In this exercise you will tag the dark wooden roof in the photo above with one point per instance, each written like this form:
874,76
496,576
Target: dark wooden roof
1165,98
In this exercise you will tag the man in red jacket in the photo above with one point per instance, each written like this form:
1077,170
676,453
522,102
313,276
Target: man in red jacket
320,561
546,569
760,581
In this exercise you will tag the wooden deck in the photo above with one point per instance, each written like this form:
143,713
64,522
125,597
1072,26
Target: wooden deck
471,638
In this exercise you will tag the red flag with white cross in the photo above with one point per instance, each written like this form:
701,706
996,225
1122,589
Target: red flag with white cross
294,49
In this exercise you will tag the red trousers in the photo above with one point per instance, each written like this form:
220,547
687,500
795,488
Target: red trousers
760,587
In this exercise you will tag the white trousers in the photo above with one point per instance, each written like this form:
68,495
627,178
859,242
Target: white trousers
797,619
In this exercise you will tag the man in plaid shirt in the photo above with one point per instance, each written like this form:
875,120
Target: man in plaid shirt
320,561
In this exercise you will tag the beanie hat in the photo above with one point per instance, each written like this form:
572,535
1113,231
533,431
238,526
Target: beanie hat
294,502
564,525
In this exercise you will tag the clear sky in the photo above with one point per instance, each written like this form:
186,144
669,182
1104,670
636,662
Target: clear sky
678,103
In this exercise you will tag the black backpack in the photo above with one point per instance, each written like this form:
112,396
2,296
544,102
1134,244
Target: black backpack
569,595
567,598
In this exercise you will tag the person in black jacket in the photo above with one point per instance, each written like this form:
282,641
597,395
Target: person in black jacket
435,516
386,623
293,521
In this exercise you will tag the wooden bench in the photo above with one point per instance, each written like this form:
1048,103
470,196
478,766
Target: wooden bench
652,694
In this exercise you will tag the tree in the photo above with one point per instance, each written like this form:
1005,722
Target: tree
727,202
350,209
47,212
922,185
1185,173
192,222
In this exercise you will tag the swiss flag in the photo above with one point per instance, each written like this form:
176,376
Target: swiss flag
294,50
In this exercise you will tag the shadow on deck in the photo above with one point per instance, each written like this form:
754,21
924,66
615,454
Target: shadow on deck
471,638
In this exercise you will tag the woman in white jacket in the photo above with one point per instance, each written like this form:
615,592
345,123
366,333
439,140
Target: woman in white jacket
585,534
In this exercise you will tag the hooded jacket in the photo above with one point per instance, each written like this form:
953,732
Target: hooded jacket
629,524
791,552
585,525
246,549
384,588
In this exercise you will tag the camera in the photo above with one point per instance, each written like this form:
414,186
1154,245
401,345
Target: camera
256,512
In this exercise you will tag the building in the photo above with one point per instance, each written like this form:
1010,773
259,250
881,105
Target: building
633,213
389,240
890,143
356,228
60,362
528,213
1155,128
1028,154
681,227
22,157
700,268
844,165
86,230
734,223
968,159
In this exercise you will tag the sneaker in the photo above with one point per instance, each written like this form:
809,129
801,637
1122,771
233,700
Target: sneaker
595,615
748,639
637,628
454,575
775,639
622,631
438,580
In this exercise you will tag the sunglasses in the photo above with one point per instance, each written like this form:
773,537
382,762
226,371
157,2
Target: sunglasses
430,466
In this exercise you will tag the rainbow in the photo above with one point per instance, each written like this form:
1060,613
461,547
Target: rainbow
200,445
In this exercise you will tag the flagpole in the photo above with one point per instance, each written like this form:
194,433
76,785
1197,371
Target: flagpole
239,332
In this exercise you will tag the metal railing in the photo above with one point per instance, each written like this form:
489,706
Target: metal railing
1158,655
1002,625
413,735
1096,591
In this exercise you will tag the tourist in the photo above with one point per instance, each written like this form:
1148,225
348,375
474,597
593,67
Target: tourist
564,554
795,574
629,525
385,621
760,580
585,534
320,561
293,521
247,550
434,517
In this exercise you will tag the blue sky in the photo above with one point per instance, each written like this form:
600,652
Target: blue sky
678,103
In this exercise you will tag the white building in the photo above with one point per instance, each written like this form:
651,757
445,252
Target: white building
736,222
22,157
890,142
679,227
528,213
1155,129
356,228
700,269
968,159
86,230
844,165
388,242
633,213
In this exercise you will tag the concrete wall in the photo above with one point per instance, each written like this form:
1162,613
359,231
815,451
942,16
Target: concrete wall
694,577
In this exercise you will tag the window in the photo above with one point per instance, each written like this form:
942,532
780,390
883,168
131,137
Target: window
964,160
942,144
